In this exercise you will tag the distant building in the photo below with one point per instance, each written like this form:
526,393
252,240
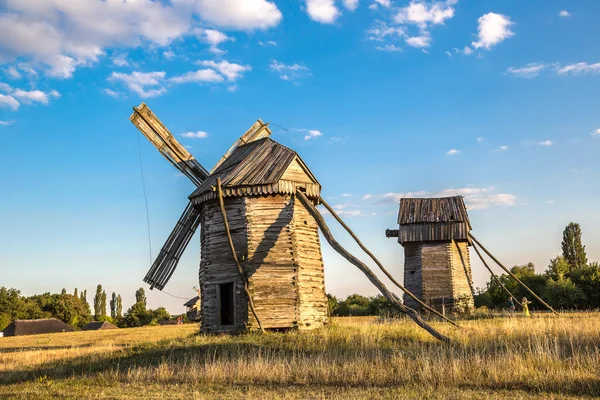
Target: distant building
22,327
435,235
193,309
98,325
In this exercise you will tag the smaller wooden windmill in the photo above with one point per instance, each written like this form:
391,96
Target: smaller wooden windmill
435,235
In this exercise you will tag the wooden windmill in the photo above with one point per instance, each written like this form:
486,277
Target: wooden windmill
261,264
435,235
246,202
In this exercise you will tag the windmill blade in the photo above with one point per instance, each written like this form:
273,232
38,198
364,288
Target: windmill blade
257,131
163,267
156,132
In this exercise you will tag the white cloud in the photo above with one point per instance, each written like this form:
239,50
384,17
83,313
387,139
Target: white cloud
389,48
475,198
245,15
195,135
493,28
528,71
214,38
564,13
312,134
202,75
323,11
346,195
579,68
9,101
291,72
13,73
596,132
350,4
480,139
32,96
467,51
169,55
419,41
120,60
452,152
267,43
231,71
503,148
5,87
144,84
546,143
232,88
380,31
59,36
111,93
421,14
550,201
384,3
6,123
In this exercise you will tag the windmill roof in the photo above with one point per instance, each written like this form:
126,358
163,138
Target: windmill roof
191,302
428,210
258,163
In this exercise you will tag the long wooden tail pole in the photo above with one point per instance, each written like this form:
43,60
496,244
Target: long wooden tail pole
390,277
495,277
511,274
235,259
365,269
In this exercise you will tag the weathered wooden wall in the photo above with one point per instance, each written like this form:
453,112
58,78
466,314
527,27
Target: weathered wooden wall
217,266
312,311
413,273
277,242
439,272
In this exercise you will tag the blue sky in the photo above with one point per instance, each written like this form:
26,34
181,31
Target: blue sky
493,100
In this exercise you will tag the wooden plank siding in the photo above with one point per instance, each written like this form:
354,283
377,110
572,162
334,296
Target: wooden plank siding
413,273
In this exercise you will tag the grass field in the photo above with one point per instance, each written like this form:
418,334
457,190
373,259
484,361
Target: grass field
507,358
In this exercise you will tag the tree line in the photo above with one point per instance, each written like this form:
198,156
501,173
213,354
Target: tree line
569,282
75,310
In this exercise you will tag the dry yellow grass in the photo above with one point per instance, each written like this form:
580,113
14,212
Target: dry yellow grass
538,357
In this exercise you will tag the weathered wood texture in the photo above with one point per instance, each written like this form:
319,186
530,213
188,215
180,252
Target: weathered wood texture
433,231
278,243
440,272
217,266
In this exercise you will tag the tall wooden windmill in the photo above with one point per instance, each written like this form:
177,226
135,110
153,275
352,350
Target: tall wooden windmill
435,235
247,202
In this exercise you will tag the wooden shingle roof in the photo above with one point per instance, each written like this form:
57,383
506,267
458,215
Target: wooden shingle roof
431,210
257,168
20,327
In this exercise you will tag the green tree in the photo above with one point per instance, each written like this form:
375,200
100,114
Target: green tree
137,315
558,268
332,303
75,293
119,307
103,305
572,248
113,306
140,296
160,314
562,293
98,303
64,291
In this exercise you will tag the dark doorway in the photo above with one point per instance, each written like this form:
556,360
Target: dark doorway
227,303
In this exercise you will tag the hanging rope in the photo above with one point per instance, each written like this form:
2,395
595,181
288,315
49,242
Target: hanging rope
234,255
381,267
512,275
365,269
145,198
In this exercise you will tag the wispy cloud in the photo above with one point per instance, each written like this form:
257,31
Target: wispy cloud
596,133
312,134
231,71
452,152
546,143
289,72
503,148
213,38
6,123
564,13
195,135
346,195
528,71
144,84
267,43
475,198
480,139
579,69
389,48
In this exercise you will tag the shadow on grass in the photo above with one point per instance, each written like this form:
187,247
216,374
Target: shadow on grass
245,347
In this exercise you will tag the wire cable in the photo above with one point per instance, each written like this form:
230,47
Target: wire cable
145,198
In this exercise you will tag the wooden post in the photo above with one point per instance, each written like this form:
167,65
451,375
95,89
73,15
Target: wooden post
360,265
495,277
235,259
511,274
389,276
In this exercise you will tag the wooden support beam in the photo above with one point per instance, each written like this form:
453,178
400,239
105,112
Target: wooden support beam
511,274
381,267
495,277
366,270
234,255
